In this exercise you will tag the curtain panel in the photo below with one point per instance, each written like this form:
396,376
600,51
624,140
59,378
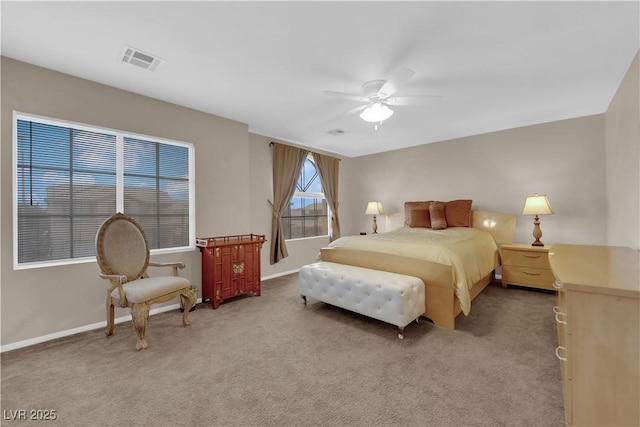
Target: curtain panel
328,168
287,164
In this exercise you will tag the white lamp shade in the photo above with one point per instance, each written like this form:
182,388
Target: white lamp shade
376,112
537,205
374,208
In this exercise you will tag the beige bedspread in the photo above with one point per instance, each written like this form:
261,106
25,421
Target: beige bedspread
472,253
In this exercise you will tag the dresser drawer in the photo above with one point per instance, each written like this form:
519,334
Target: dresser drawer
528,276
525,259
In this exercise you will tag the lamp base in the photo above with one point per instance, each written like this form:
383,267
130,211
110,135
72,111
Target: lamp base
537,232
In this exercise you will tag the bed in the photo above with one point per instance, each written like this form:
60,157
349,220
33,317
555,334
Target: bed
455,263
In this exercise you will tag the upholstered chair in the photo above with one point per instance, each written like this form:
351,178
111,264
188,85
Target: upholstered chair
122,250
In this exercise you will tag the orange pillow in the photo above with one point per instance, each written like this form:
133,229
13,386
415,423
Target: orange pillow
416,214
438,218
458,213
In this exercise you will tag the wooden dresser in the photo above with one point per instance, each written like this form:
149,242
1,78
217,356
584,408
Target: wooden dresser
598,316
526,265
230,266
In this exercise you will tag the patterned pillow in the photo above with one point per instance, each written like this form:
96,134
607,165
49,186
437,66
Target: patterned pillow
416,214
438,218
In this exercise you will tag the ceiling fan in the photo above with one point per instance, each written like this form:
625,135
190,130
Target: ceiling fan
377,98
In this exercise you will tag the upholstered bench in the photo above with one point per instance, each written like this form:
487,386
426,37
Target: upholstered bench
393,298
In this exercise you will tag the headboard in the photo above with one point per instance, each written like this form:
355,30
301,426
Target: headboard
394,221
502,226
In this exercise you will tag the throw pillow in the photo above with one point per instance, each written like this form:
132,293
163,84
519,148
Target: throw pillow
416,214
438,218
458,213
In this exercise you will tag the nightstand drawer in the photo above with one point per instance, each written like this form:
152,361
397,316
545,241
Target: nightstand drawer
528,276
525,258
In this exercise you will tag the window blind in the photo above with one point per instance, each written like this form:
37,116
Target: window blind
67,183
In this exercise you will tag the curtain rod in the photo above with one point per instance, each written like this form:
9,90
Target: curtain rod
271,145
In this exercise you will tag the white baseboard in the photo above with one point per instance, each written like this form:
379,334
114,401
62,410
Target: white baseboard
127,318
91,327
285,273
61,334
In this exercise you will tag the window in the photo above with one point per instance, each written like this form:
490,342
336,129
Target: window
307,215
69,178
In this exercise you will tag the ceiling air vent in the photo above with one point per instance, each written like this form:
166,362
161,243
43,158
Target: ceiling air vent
142,59
335,132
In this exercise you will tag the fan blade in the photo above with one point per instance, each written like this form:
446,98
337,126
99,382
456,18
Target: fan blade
352,111
396,80
349,96
411,100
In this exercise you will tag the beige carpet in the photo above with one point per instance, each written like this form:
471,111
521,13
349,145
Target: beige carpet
272,361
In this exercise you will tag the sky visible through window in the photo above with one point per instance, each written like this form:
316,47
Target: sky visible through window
309,182
144,160
50,155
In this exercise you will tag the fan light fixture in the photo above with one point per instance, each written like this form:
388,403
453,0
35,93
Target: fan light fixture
377,96
377,112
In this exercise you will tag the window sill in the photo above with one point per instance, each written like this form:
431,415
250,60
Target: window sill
64,262
325,236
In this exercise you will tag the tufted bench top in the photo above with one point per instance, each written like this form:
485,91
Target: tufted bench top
393,298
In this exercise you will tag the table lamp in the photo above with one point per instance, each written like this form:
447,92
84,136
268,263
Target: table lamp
374,208
537,205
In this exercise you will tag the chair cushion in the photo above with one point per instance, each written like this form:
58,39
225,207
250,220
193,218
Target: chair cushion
145,289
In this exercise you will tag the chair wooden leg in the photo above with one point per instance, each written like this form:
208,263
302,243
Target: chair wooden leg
140,314
188,301
110,314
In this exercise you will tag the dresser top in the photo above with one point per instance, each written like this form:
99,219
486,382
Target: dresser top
240,239
524,247
598,269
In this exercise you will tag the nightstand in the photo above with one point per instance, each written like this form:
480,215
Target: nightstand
526,265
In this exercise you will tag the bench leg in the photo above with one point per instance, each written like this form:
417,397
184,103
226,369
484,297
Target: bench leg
401,330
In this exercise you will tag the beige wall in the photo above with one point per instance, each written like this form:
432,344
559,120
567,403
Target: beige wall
37,302
622,132
498,171
233,182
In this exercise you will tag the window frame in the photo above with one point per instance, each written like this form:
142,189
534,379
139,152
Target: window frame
120,135
311,195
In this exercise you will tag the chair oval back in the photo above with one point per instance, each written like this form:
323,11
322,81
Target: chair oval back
122,247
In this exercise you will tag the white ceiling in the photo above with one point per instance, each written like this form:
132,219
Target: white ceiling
496,65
